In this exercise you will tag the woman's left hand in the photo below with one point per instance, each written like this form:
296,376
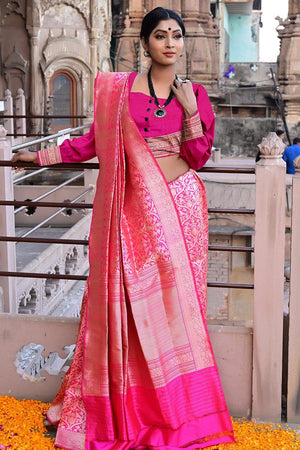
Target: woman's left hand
183,91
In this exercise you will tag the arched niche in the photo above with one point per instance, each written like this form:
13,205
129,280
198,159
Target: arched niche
14,54
77,76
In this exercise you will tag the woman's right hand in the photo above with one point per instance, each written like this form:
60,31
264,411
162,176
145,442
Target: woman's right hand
24,155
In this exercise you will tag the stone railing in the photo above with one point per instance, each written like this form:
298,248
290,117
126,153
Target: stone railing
42,295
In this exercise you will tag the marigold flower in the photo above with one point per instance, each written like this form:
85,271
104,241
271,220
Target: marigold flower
21,427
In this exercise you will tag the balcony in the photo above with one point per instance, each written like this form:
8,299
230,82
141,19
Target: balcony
37,349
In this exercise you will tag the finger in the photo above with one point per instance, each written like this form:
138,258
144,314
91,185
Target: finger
15,157
177,83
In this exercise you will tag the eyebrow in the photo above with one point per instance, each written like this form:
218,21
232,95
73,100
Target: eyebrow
165,31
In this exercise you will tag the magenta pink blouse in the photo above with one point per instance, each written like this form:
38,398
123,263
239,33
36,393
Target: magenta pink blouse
191,137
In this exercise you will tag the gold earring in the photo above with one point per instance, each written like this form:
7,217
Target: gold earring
146,54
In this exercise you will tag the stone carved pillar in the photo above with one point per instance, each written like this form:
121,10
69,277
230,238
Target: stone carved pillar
35,101
20,111
288,61
7,228
293,411
94,39
294,8
9,111
200,60
268,280
97,29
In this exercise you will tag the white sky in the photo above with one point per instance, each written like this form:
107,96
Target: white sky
268,40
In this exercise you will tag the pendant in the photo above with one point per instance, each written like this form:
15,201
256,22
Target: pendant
160,112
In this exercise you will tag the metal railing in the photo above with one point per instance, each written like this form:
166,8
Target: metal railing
47,138
77,205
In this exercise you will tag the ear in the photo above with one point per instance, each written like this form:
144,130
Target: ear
144,45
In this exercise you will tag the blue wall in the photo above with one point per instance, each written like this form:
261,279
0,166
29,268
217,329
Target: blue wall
243,40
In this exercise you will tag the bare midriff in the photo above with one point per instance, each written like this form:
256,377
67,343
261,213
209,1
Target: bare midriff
172,167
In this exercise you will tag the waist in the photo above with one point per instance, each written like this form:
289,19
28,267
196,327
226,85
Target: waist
172,167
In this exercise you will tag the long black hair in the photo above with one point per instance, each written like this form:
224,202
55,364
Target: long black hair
152,19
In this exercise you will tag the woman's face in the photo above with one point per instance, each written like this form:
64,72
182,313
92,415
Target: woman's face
165,42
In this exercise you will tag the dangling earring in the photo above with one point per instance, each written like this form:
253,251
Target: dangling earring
147,54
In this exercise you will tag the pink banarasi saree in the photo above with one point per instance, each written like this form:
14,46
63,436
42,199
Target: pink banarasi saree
143,375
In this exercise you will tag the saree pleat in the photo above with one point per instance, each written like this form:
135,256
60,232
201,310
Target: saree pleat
143,374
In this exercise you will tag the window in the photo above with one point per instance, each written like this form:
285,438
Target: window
256,5
62,100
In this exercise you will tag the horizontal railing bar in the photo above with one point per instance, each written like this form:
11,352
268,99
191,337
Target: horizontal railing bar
243,170
84,277
230,248
46,204
90,205
227,169
231,285
56,188
44,240
36,134
15,148
231,211
62,166
28,116
42,275
85,242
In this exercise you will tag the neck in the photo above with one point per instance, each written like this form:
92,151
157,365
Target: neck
162,74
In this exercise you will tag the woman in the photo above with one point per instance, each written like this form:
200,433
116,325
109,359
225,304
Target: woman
144,375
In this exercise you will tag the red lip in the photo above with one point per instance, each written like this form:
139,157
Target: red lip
169,54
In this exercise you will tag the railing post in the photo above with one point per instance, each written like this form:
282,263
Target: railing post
268,281
7,227
9,111
293,391
20,111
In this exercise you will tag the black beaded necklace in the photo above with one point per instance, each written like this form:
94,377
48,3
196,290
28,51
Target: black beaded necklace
160,112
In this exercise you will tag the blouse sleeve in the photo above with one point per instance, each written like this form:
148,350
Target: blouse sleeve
198,132
78,150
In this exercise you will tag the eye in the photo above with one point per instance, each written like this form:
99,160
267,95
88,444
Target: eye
159,36
178,36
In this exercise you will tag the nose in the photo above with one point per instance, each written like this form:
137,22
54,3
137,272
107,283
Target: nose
170,42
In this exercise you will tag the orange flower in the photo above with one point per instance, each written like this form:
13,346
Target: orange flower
21,427
266,436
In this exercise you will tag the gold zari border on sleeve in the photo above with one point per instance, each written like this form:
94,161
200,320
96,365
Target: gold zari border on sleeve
49,156
192,128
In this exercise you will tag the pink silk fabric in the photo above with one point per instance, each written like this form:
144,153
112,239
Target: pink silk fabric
144,374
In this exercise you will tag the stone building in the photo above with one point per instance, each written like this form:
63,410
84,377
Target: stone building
289,64
52,49
200,59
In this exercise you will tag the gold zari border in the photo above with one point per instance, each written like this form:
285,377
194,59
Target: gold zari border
49,156
169,144
192,128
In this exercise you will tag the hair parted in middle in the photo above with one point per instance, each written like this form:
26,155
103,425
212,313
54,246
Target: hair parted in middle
152,19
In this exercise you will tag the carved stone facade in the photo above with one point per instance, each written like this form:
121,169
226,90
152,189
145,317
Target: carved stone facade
200,59
44,39
289,61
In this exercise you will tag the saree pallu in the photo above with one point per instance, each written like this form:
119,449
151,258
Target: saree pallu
143,374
